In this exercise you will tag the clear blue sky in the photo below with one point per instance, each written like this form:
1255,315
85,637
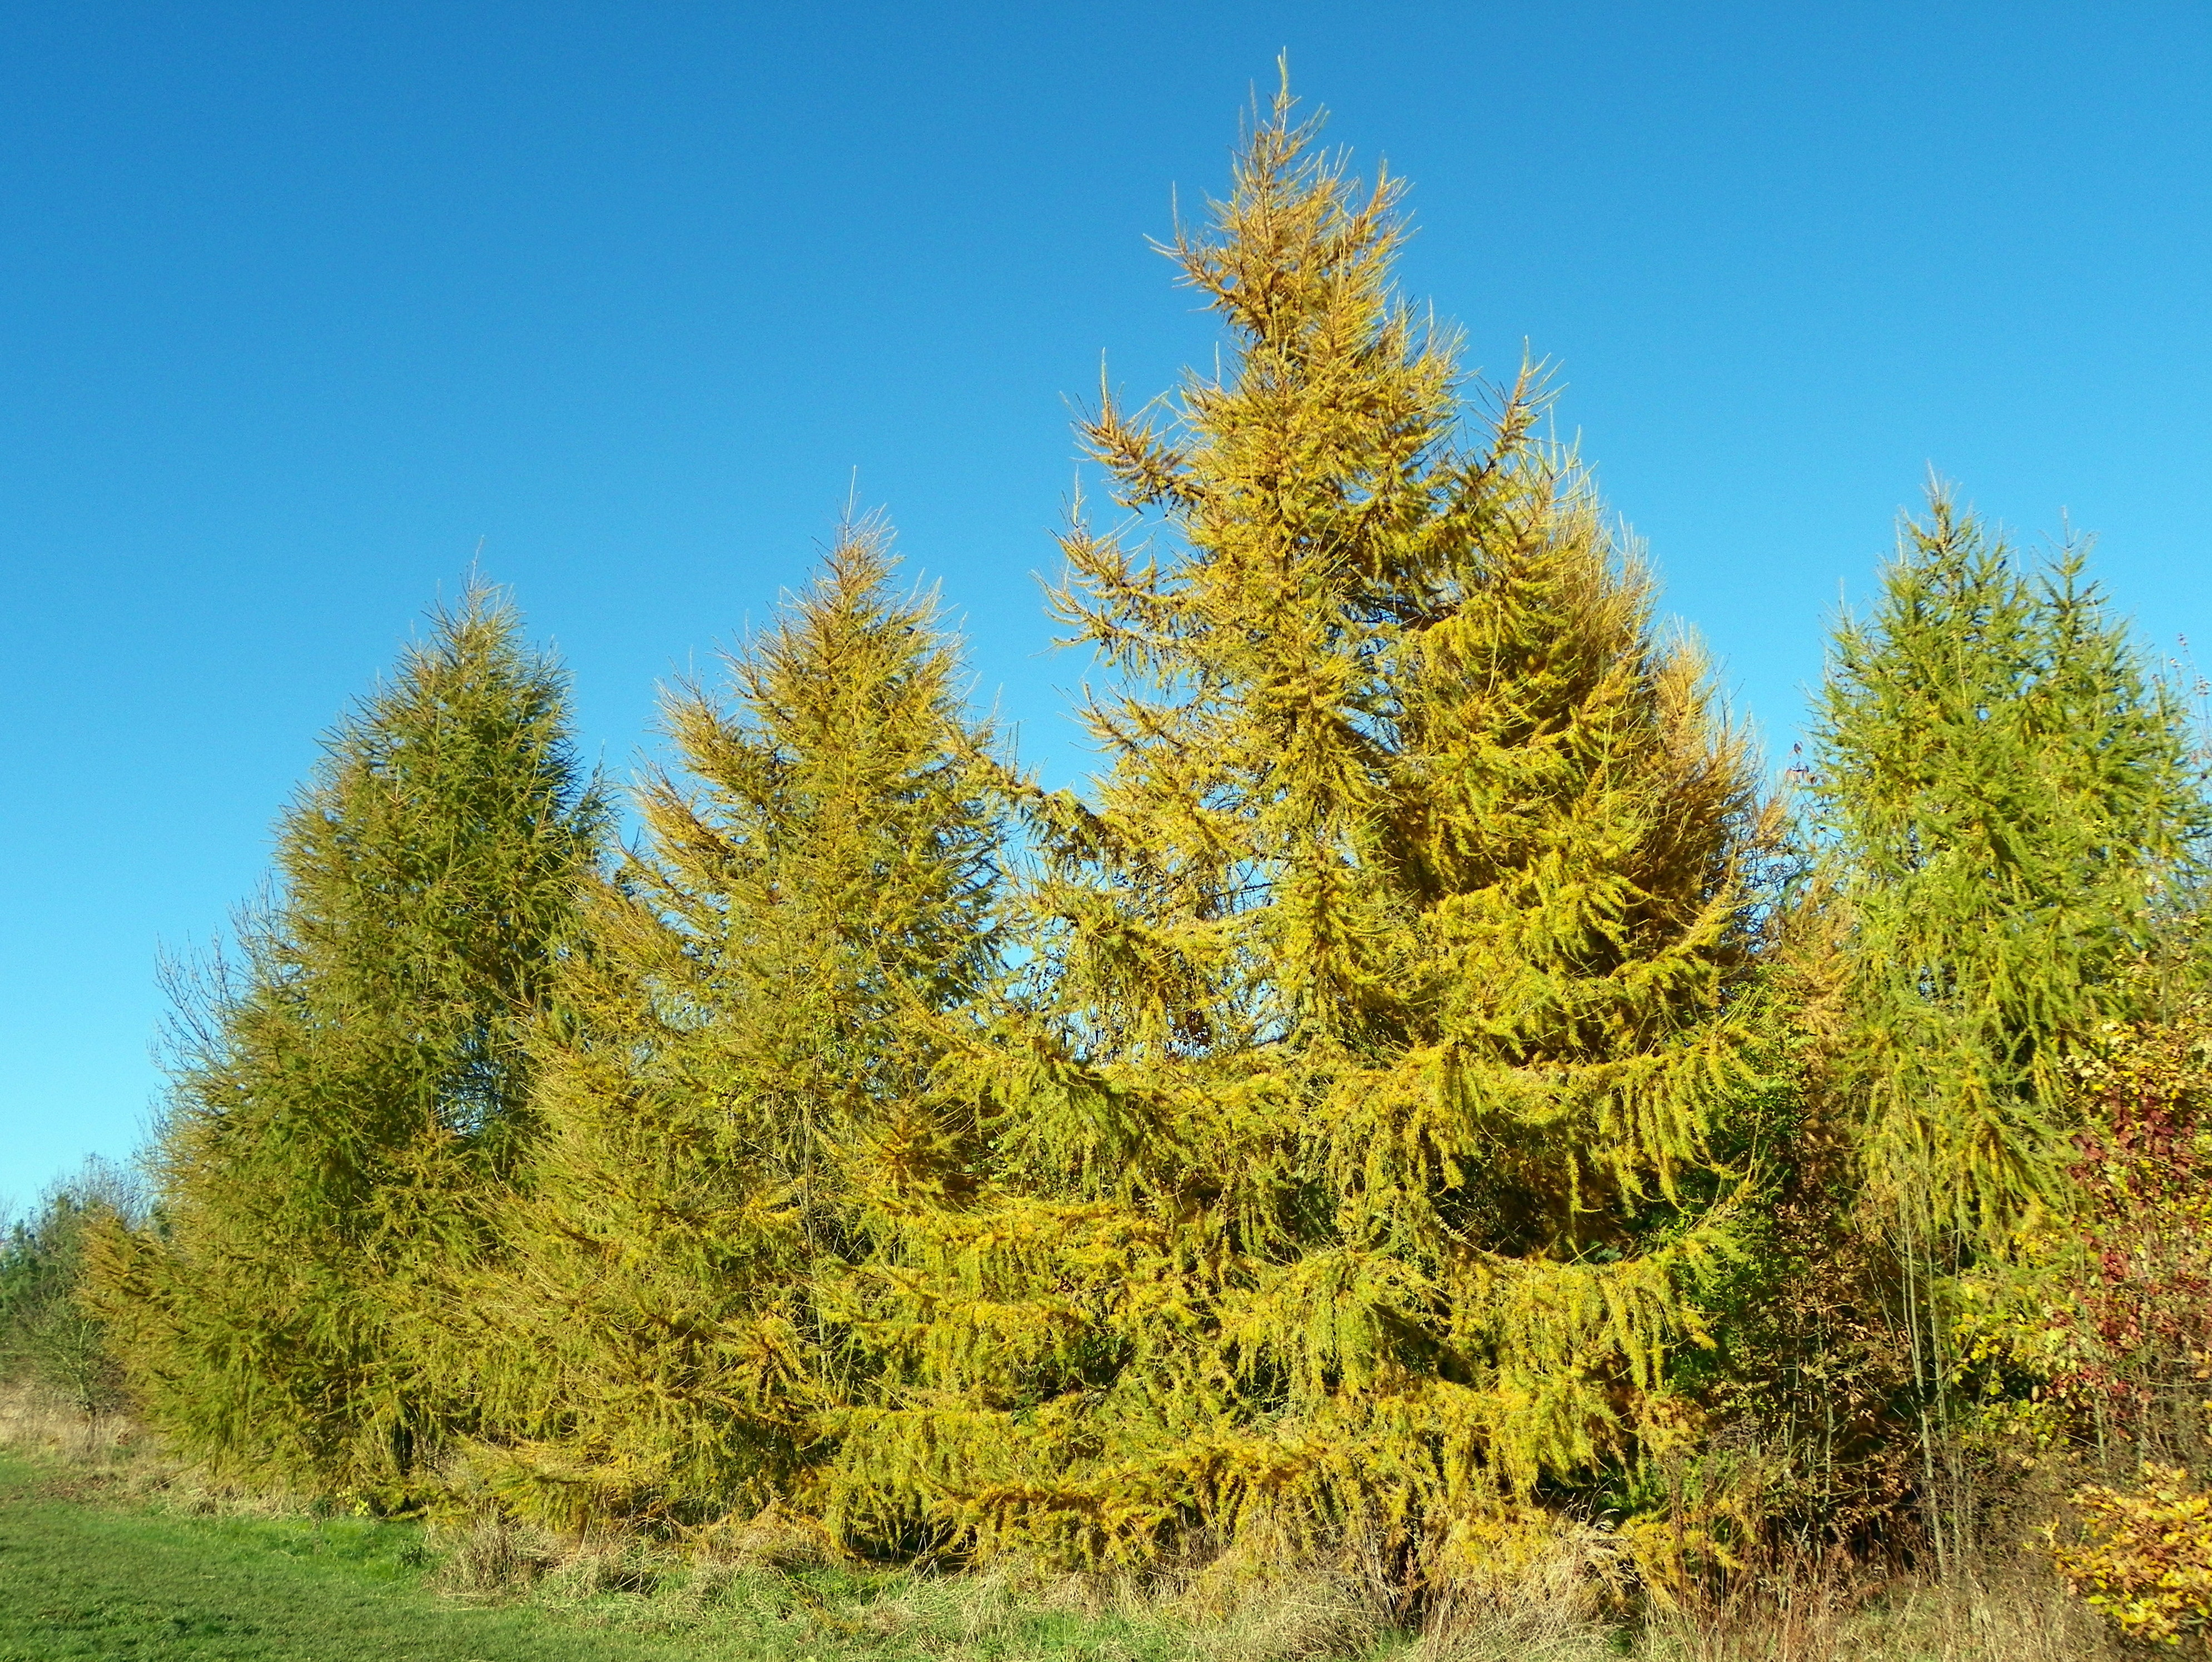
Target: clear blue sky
298,303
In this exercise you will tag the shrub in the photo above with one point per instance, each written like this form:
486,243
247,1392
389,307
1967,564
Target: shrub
2147,1557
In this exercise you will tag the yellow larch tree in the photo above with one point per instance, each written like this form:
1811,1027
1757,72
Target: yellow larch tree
1347,1171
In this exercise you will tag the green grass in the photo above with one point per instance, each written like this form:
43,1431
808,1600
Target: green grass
88,1573
83,1579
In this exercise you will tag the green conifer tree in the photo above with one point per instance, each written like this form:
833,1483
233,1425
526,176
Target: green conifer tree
744,1072
1348,1174
2005,805
2006,802
349,1097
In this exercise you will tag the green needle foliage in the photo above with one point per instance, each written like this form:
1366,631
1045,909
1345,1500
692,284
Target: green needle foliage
742,1072
2007,803
350,1097
1348,1173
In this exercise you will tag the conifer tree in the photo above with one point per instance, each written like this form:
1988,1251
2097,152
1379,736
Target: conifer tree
1350,1171
742,1072
2006,803
349,1096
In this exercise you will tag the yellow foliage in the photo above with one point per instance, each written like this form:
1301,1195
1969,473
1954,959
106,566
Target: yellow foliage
2147,1557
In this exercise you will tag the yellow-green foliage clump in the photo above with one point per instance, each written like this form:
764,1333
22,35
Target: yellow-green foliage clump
2147,1557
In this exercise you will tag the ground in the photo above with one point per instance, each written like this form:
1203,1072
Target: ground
88,1573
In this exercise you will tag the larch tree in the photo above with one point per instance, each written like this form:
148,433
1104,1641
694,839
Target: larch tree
740,1078
2005,807
350,1095
2006,803
1347,1168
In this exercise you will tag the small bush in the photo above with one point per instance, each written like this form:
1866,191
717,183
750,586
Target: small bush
2147,1557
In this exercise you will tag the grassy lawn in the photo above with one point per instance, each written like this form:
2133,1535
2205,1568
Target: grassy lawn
85,1576
79,1578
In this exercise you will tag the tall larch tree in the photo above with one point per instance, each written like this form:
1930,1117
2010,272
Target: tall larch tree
2006,809
741,1078
2007,803
350,1093
1348,1174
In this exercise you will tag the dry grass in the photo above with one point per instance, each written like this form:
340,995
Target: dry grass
494,1559
2014,1609
112,1458
41,1423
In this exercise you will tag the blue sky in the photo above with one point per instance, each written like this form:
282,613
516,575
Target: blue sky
300,304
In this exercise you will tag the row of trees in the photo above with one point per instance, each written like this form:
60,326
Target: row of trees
1426,1086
